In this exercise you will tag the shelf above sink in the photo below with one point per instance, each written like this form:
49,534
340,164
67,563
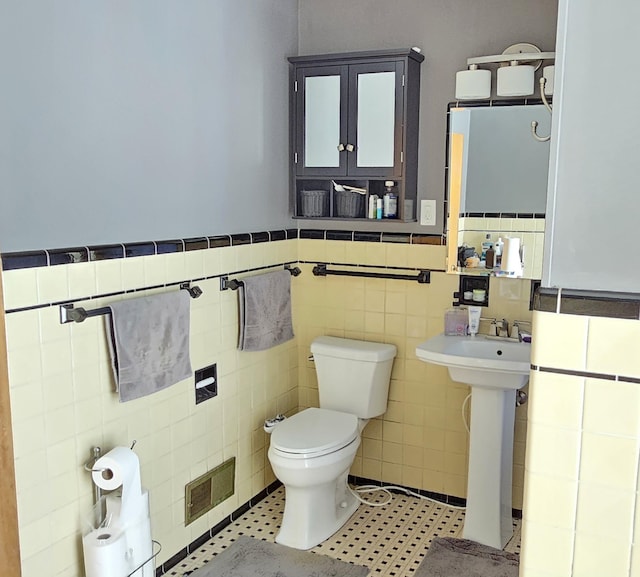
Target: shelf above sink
480,361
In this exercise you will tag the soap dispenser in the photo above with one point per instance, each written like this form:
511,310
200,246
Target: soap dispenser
390,200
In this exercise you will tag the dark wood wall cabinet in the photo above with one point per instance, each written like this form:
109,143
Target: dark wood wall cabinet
354,135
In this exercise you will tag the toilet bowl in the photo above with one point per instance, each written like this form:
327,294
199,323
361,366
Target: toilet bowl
312,451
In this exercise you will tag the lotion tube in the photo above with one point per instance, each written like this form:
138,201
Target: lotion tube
474,320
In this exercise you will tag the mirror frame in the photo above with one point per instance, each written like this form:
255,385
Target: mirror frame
454,181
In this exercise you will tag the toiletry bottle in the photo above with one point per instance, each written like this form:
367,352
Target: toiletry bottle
455,321
373,201
390,201
490,258
379,208
487,244
498,248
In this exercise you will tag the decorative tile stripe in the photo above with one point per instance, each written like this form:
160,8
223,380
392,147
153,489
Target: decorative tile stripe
586,374
502,215
588,303
52,257
146,288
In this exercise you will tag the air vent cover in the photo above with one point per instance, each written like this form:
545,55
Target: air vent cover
209,490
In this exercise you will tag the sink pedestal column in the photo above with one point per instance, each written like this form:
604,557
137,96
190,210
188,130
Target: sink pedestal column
488,515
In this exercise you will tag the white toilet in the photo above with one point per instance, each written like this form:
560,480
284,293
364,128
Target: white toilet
311,452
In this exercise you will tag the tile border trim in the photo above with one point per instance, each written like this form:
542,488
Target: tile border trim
585,374
618,305
71,255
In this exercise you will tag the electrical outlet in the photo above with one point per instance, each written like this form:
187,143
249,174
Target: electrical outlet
428,212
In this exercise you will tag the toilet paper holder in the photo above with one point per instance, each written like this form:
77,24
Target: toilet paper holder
89,466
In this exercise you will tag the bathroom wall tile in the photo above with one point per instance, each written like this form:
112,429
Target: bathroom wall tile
561,341
604,408
609,346
549,550
426,256
556,399
53,284
155,270
82,279
20,288
609,461
27,401
559,511
109,276
598,555
22,330
35,537
605,511
553,451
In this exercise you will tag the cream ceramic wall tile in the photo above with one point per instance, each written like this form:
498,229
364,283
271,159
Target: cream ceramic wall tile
109,276
553,451
20,288
556,399
560,341
314,250
605,511
611,346
53,283
82,279
611,408
598,555
609,461
427,256
176,267
539,507
397,254
336,251
548,550
155,270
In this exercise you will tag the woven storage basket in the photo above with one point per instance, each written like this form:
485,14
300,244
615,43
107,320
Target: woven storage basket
315,203
349,204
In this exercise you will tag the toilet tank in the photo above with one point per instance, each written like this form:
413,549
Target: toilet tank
353,376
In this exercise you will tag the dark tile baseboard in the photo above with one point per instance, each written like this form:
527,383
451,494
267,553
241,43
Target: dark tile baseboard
197,543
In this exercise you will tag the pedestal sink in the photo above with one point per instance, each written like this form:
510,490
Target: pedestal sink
495,369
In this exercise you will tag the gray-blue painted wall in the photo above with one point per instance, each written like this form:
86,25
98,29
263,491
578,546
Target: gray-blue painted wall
142,120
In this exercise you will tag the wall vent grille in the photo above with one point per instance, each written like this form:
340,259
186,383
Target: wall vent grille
209,490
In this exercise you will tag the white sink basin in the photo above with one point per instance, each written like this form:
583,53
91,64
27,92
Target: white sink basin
480,361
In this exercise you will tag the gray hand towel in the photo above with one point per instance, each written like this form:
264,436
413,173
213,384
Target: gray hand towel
149,343
265,311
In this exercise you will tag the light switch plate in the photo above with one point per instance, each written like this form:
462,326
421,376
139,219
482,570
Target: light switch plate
428,212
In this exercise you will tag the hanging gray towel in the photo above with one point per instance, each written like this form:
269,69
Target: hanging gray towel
265,311
149,343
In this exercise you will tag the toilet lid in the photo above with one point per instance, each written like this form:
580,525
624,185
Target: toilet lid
315,432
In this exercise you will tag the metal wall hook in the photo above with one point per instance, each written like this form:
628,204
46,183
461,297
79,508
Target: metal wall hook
534,123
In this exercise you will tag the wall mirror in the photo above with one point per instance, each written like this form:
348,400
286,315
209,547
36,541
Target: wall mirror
497,180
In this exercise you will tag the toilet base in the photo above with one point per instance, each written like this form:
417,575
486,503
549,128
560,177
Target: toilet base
313,514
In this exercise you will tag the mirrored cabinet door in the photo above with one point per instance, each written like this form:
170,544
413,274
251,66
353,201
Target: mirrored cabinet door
375,123
321,136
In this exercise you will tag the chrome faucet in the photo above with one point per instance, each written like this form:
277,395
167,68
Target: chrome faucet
503,328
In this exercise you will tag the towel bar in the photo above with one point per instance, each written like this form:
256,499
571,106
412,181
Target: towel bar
423,276
234,284
69,313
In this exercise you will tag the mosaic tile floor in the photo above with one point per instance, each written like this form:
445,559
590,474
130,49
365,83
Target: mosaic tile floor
391,540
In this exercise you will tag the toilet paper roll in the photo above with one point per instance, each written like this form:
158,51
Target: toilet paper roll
511,262
105,553
111,552
120,468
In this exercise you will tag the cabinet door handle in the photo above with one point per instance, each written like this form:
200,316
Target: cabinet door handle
340,147
350,148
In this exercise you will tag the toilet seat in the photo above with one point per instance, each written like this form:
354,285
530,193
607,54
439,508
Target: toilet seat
313,433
